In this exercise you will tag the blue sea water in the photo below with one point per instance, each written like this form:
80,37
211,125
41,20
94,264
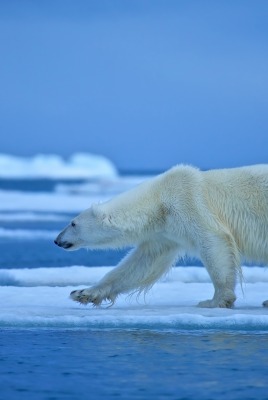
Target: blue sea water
60,363
137,364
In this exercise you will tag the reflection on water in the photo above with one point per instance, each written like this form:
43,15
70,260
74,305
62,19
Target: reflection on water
133,364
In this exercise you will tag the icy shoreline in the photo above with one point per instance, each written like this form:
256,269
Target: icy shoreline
40,299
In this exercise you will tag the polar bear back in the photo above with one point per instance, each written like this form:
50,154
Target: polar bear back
186,204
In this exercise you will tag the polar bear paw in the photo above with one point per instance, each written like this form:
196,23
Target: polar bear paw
91,295
83,297
218,303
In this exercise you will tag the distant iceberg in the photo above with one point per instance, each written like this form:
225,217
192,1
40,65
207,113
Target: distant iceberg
79,165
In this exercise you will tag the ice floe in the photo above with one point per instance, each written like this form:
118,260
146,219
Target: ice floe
40,298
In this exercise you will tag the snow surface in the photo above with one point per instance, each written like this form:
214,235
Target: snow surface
31,216
80,165
110,187
40,298
44,202
28,234
61,201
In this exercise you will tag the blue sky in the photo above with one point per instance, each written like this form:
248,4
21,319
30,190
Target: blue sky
147,83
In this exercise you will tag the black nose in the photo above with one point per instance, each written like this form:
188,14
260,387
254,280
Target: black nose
65,245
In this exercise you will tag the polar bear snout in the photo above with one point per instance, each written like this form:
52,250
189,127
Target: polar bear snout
63,241
66,239
64,244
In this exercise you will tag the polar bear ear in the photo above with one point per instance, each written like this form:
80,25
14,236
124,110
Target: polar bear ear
95,210
101,215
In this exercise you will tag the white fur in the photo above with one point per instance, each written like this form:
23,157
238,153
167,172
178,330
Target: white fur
220,216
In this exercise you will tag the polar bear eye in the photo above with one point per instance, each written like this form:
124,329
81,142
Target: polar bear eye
73,224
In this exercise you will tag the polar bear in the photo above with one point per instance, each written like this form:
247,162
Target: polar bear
219,216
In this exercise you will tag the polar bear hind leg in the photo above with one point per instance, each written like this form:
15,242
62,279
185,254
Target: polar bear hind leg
222,261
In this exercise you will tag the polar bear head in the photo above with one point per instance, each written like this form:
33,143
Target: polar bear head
93,228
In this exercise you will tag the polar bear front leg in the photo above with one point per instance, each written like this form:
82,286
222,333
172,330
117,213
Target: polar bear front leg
221,259
138,271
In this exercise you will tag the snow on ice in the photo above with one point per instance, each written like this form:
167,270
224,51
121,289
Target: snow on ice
40,298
